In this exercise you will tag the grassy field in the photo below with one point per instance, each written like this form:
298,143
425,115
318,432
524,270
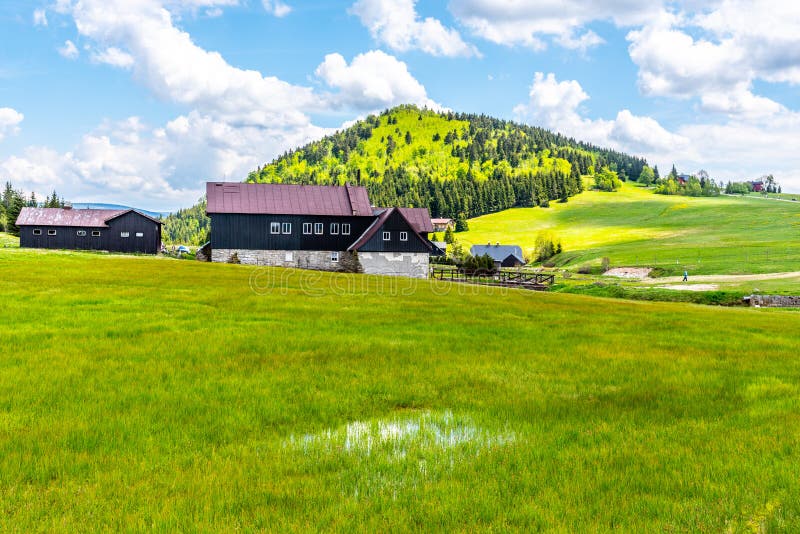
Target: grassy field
8,240
140,393
723,235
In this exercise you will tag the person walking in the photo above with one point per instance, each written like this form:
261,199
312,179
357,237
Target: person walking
685,276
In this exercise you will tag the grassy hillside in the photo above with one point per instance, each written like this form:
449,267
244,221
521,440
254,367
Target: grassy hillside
141,394
634,226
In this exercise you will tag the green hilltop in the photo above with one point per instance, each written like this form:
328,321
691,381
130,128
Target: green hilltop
457,165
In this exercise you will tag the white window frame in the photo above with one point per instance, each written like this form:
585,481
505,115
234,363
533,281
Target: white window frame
286,228
403,236
319,228
274,227
52,232
139,234
95,233
37,231
334,257
334,229
387,236
345,228
124,234
81,233
308,228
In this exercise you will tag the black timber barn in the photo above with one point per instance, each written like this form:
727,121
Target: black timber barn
124,230
316,227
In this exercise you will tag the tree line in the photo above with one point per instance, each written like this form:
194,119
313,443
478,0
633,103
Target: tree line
12,202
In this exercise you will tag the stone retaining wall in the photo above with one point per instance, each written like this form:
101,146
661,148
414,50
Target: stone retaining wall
774,301
319,260
410,264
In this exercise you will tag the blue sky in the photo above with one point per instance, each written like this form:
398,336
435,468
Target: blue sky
142,101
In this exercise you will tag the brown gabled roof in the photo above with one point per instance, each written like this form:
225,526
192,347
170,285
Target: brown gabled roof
419,218
71,217
378,223
286,199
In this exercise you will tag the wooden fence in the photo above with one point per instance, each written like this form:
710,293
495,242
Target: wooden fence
517,279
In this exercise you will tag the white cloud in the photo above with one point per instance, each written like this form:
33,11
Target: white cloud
236,119
10,120
373,80
716,55
69,50
743,148
531,24
115,57
396,24
276,8
556,105
39,17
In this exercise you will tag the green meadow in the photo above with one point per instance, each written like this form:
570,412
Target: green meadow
634,226
155,394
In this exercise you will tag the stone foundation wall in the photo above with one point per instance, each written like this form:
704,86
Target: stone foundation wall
774,301
411,264
319,260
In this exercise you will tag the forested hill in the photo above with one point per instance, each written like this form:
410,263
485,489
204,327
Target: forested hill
458,165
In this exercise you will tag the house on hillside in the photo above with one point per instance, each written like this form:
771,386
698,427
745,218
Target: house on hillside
124,230
503,255
683,179
329,228
757,186
441,225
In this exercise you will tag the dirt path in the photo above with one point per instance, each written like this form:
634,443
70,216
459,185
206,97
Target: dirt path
691,287
724,278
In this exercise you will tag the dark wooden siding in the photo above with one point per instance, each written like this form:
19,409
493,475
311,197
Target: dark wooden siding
252,232
394,225
67,236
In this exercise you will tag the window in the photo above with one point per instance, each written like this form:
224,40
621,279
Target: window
289,256
403,236
95,233
286,228
51,232
307,228
139,234
37,232
318,228
387,236
124,234
81,233
334,257
334,228
345,229
275,228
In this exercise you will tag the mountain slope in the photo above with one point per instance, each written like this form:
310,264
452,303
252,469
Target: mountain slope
457,165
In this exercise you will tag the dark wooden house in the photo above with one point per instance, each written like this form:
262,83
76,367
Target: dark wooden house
316,227
87,229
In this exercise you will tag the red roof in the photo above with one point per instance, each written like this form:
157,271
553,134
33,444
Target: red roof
71,217
285,199
419,218
441,221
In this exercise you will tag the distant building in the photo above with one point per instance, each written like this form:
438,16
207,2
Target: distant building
503,255
329,228
757,186
85,229
441,225
683,179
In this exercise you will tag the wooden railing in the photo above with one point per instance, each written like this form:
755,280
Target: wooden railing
520,279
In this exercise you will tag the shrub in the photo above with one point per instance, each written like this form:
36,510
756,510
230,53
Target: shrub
547,246
605,263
